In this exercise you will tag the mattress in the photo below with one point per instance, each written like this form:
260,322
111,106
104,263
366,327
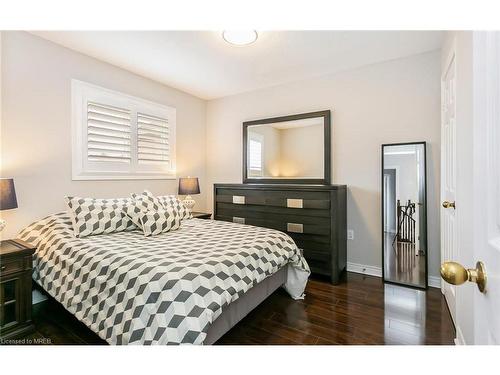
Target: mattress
166,289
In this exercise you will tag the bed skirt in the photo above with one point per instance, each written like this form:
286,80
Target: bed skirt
240,308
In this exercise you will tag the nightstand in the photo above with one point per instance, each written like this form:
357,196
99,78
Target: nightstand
16,259
201,215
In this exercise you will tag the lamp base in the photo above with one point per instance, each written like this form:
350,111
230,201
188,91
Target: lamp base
189,202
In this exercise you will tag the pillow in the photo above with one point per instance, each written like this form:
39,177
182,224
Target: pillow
99,216
176,203
143,202
161,221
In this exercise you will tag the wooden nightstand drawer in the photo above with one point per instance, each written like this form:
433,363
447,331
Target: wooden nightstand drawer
11,267
15,289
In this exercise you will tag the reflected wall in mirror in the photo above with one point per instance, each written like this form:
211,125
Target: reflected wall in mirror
404,216
287,149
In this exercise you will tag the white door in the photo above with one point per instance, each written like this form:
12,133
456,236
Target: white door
449,248
487,183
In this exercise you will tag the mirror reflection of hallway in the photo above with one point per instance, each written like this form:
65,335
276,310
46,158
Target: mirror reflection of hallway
404,224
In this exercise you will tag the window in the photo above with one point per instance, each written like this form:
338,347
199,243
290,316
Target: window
255,151
117,136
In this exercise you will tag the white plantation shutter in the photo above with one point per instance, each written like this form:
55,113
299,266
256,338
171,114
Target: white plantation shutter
255,155
108,133
117,136
152,140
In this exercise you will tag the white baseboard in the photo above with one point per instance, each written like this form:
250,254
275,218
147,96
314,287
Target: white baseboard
434,281
364,269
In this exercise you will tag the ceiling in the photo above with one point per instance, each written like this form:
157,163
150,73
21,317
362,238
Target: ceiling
203,64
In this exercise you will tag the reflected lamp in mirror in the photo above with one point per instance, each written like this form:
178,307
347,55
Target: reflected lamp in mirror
8,198
188,186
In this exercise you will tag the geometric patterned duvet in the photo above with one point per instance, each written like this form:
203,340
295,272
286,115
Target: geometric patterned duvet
166,289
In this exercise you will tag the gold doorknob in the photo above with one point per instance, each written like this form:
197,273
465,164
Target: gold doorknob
456,274
447,204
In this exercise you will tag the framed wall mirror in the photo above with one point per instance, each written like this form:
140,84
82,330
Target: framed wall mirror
288,149
404,214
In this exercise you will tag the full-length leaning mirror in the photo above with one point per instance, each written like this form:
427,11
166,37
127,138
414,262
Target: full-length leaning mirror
288,149
404,214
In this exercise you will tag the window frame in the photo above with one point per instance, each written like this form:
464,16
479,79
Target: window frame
83,169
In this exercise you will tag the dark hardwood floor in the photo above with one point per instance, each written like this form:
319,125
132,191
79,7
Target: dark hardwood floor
361,310
402,265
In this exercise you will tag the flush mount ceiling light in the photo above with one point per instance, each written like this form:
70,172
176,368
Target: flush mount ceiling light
240,37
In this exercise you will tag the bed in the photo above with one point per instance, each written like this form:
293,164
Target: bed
187,286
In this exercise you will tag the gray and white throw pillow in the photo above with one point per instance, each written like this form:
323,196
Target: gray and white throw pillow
176,203
161,221
99,216
143,202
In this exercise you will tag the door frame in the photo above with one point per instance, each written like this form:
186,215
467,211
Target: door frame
451,57
382,205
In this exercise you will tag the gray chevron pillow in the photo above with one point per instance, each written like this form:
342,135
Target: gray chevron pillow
176,203
99,216
161,221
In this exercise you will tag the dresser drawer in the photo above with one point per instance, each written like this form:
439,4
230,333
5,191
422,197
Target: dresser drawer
319,267
274,209
314,246
316,256
250,212
11,266
290,227
276,198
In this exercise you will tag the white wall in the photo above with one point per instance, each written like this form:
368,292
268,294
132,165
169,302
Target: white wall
302,151
406,179
36,127
396,101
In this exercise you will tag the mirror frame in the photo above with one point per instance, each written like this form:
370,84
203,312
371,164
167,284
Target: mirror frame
426,216
326,180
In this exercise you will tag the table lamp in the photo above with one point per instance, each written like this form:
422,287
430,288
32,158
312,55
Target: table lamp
8,199
188,186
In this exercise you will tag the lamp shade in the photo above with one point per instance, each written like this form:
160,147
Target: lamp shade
7,194
189,185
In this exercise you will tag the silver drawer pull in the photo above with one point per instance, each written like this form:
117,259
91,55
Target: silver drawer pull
295,228
238,199
295,203
238,220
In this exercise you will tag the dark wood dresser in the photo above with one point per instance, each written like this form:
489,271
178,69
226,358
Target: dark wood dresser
16,258
313,215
